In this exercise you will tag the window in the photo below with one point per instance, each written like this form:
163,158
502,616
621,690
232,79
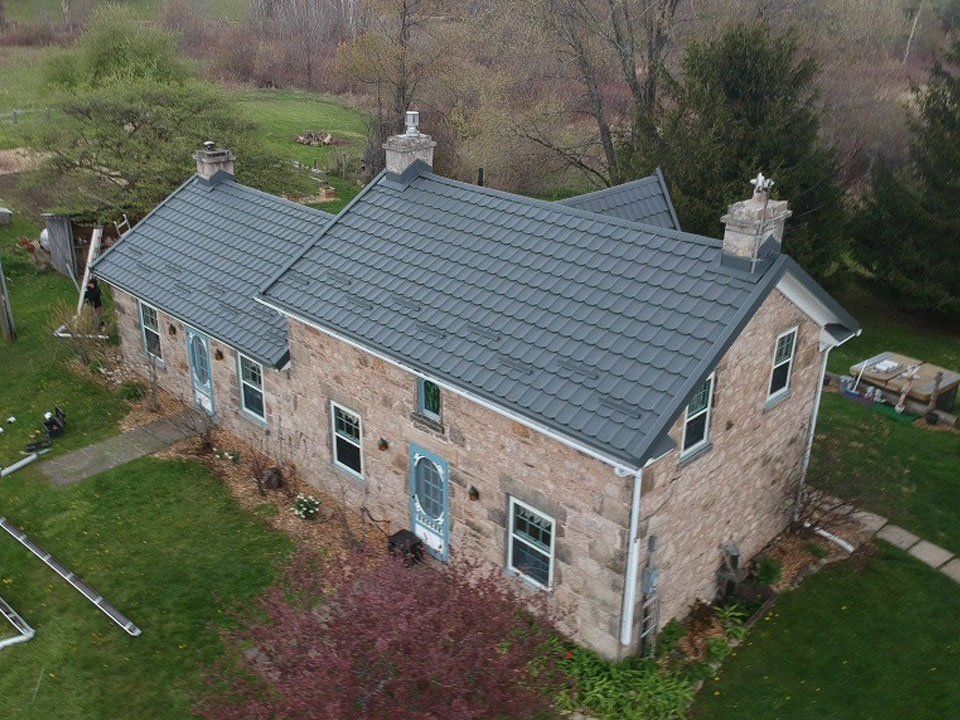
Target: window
251,388
531,544
782,363
150,326
696,427
429,400
346,440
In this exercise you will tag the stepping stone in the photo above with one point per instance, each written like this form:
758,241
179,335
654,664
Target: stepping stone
952,570
870,522
898,536
932,555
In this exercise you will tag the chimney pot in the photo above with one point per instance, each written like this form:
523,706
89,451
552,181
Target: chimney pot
405,149
212,160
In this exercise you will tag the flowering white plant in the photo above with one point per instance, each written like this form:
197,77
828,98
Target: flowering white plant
306,507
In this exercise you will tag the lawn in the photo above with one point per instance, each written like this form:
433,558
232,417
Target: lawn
34,375
52,10
885,327
867,641
907,473
165,542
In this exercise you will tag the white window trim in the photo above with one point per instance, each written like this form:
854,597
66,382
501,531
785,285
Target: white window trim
143,332
785,390
510,539
262,419
684,453
333,438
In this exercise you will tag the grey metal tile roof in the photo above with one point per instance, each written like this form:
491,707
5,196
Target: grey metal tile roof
597,328
203,253
646,200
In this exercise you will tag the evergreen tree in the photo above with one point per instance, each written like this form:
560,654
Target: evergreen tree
747,103
908,233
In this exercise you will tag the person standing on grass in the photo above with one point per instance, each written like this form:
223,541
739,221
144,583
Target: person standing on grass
92,296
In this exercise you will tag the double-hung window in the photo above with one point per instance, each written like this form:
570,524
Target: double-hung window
346,439
696,425
531,544
429,399
782,364
251,388
150,328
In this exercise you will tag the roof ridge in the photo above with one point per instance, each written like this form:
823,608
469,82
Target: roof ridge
573,211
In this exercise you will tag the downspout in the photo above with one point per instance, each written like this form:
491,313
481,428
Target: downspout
813,429
633,561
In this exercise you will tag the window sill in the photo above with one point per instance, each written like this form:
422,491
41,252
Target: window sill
528,582
154,360
349,472
255,419
694,453
427,423
775,400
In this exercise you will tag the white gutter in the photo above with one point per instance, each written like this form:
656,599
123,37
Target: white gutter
633,563
25,632
542,429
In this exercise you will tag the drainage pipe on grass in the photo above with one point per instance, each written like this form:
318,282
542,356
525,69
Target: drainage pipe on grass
9,470
838,541
22,627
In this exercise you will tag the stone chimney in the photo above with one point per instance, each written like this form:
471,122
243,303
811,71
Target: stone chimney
211,160
403,150
749,223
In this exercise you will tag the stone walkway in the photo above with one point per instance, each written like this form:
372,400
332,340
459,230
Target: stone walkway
923,550
121,449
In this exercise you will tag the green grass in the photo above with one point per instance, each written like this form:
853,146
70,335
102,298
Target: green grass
165,542
907,473
887,328
52,10
852,643
34,375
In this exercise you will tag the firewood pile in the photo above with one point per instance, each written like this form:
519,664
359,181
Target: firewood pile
314,139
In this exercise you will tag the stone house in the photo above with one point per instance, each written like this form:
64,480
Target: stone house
578,392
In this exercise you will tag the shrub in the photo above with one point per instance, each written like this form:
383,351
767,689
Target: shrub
132,391
718,649
306,507
818,551
392,641
731,619
632,690
769,571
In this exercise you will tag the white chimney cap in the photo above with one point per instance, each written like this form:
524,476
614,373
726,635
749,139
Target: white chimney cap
413,123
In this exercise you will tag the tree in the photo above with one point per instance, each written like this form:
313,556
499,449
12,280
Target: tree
129,116
123,147
610,43
747,103
393,56
908,231
378,639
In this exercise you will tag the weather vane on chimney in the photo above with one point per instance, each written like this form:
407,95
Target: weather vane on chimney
761,184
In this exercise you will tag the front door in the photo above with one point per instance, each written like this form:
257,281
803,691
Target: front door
430,501
198,348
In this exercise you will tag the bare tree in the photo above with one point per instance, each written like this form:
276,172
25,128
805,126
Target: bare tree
611,44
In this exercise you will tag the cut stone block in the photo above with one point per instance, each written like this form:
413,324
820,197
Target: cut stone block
952,570
932,555
870,522
6,216
897,536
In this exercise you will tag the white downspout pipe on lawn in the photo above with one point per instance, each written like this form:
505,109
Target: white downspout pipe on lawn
633,562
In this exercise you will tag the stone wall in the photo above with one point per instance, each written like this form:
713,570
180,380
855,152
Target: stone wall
737,491
485,450
741,489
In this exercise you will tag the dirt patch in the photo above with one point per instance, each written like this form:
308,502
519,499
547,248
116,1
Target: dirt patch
18,160
335,531
702,626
